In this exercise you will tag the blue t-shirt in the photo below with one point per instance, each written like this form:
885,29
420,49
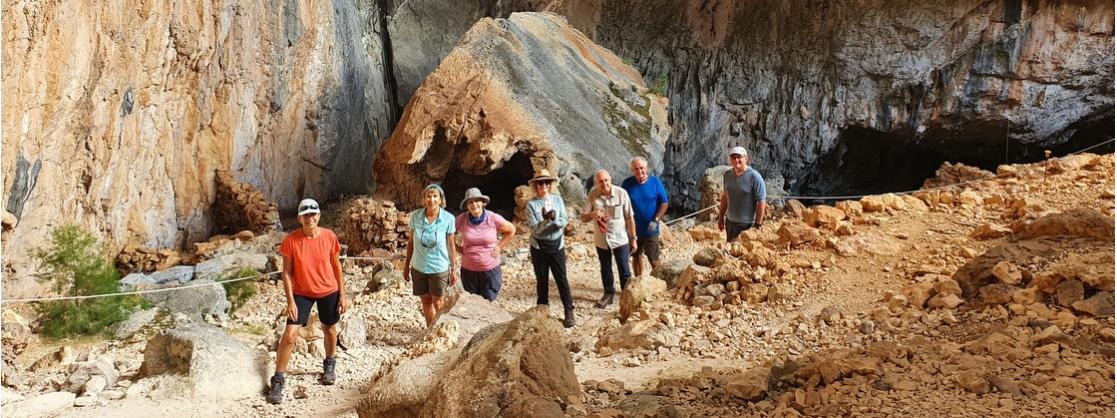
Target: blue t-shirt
429,253
743,193
646,199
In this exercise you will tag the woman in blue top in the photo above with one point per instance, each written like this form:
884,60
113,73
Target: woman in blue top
430,261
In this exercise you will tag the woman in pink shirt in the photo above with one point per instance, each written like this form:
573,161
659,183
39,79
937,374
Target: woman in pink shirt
479,229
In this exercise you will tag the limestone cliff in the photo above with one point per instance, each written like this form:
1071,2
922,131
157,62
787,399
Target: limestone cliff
853,95
117,114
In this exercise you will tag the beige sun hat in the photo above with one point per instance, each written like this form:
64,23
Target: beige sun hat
542,175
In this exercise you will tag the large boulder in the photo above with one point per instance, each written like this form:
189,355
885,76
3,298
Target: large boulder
403,391
224,267
639,290
519,94
41,405
81,373
669,271
172,276
1080,222
212,364
473,312
195,301
517,368
647,334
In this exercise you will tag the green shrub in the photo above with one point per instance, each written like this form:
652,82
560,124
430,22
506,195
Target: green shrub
241,291
78,265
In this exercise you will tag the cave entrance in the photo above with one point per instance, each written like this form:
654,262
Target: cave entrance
867,161
499,185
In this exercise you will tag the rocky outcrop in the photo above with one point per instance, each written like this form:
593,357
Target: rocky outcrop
516,95
213,364
517,368
118,118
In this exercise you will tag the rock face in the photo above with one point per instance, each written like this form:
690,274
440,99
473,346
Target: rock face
808,96
214,364
516,95
118,118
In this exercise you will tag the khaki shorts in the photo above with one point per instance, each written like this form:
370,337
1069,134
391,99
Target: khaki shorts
435,284
647,246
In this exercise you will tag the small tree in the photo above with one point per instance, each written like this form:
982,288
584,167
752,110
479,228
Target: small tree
77,265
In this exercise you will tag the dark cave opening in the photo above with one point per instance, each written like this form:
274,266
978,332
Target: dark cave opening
499,185
867,161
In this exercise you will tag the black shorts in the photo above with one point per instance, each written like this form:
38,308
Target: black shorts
327,309
648,246
734,229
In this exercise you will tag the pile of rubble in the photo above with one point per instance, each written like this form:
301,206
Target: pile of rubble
1065,259
950,174
134,258
1012,369
369,224
239,206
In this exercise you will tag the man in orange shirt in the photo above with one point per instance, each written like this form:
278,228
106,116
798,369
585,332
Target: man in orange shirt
311,275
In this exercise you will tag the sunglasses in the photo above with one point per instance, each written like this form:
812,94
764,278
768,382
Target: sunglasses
428,240
308,207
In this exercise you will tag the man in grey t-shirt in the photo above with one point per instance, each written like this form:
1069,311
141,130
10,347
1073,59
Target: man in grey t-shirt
742,204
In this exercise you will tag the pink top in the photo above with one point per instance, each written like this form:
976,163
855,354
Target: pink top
478,241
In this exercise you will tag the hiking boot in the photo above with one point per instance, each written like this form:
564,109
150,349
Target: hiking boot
275,392
568,320
328,374
605,301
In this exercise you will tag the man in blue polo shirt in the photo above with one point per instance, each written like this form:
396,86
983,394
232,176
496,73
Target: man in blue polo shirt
649,204
742,205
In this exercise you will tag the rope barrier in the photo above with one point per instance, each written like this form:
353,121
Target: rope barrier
690,215
1092,147
138,292
168,289
391,257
